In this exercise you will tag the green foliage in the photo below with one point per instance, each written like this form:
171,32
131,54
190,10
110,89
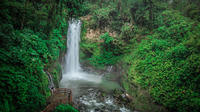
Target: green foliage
100,18
106,55
109,51
89,48
75,8
31,38
107,39
65,108
188,8
101,54
167,64
128,32
56,43
22,62
159,44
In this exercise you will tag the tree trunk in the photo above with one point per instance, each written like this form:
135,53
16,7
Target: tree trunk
151,15
119,6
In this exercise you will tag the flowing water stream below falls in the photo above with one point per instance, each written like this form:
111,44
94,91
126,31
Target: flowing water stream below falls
92,92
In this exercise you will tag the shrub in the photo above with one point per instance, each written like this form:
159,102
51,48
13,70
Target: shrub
100,18
167,63
65,108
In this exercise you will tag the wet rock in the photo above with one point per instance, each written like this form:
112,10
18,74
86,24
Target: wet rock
95,100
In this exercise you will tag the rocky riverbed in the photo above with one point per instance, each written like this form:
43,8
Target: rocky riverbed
95,100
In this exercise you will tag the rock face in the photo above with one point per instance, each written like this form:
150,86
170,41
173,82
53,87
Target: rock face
94,34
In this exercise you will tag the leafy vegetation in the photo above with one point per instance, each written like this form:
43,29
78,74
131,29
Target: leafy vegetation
157,42
32,38
65,108
106,53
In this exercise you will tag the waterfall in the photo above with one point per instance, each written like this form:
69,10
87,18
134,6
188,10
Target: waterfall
81,82
73,39
72,72
50,79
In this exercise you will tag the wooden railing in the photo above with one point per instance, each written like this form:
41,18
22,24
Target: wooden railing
59,96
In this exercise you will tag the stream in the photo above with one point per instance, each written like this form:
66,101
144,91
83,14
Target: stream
92,91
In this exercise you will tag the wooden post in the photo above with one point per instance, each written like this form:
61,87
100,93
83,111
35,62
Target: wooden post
70,96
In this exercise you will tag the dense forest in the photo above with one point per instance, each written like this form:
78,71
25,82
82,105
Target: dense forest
33,35
156,42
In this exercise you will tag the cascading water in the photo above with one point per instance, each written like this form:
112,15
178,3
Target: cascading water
84,85
73,39
72,71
